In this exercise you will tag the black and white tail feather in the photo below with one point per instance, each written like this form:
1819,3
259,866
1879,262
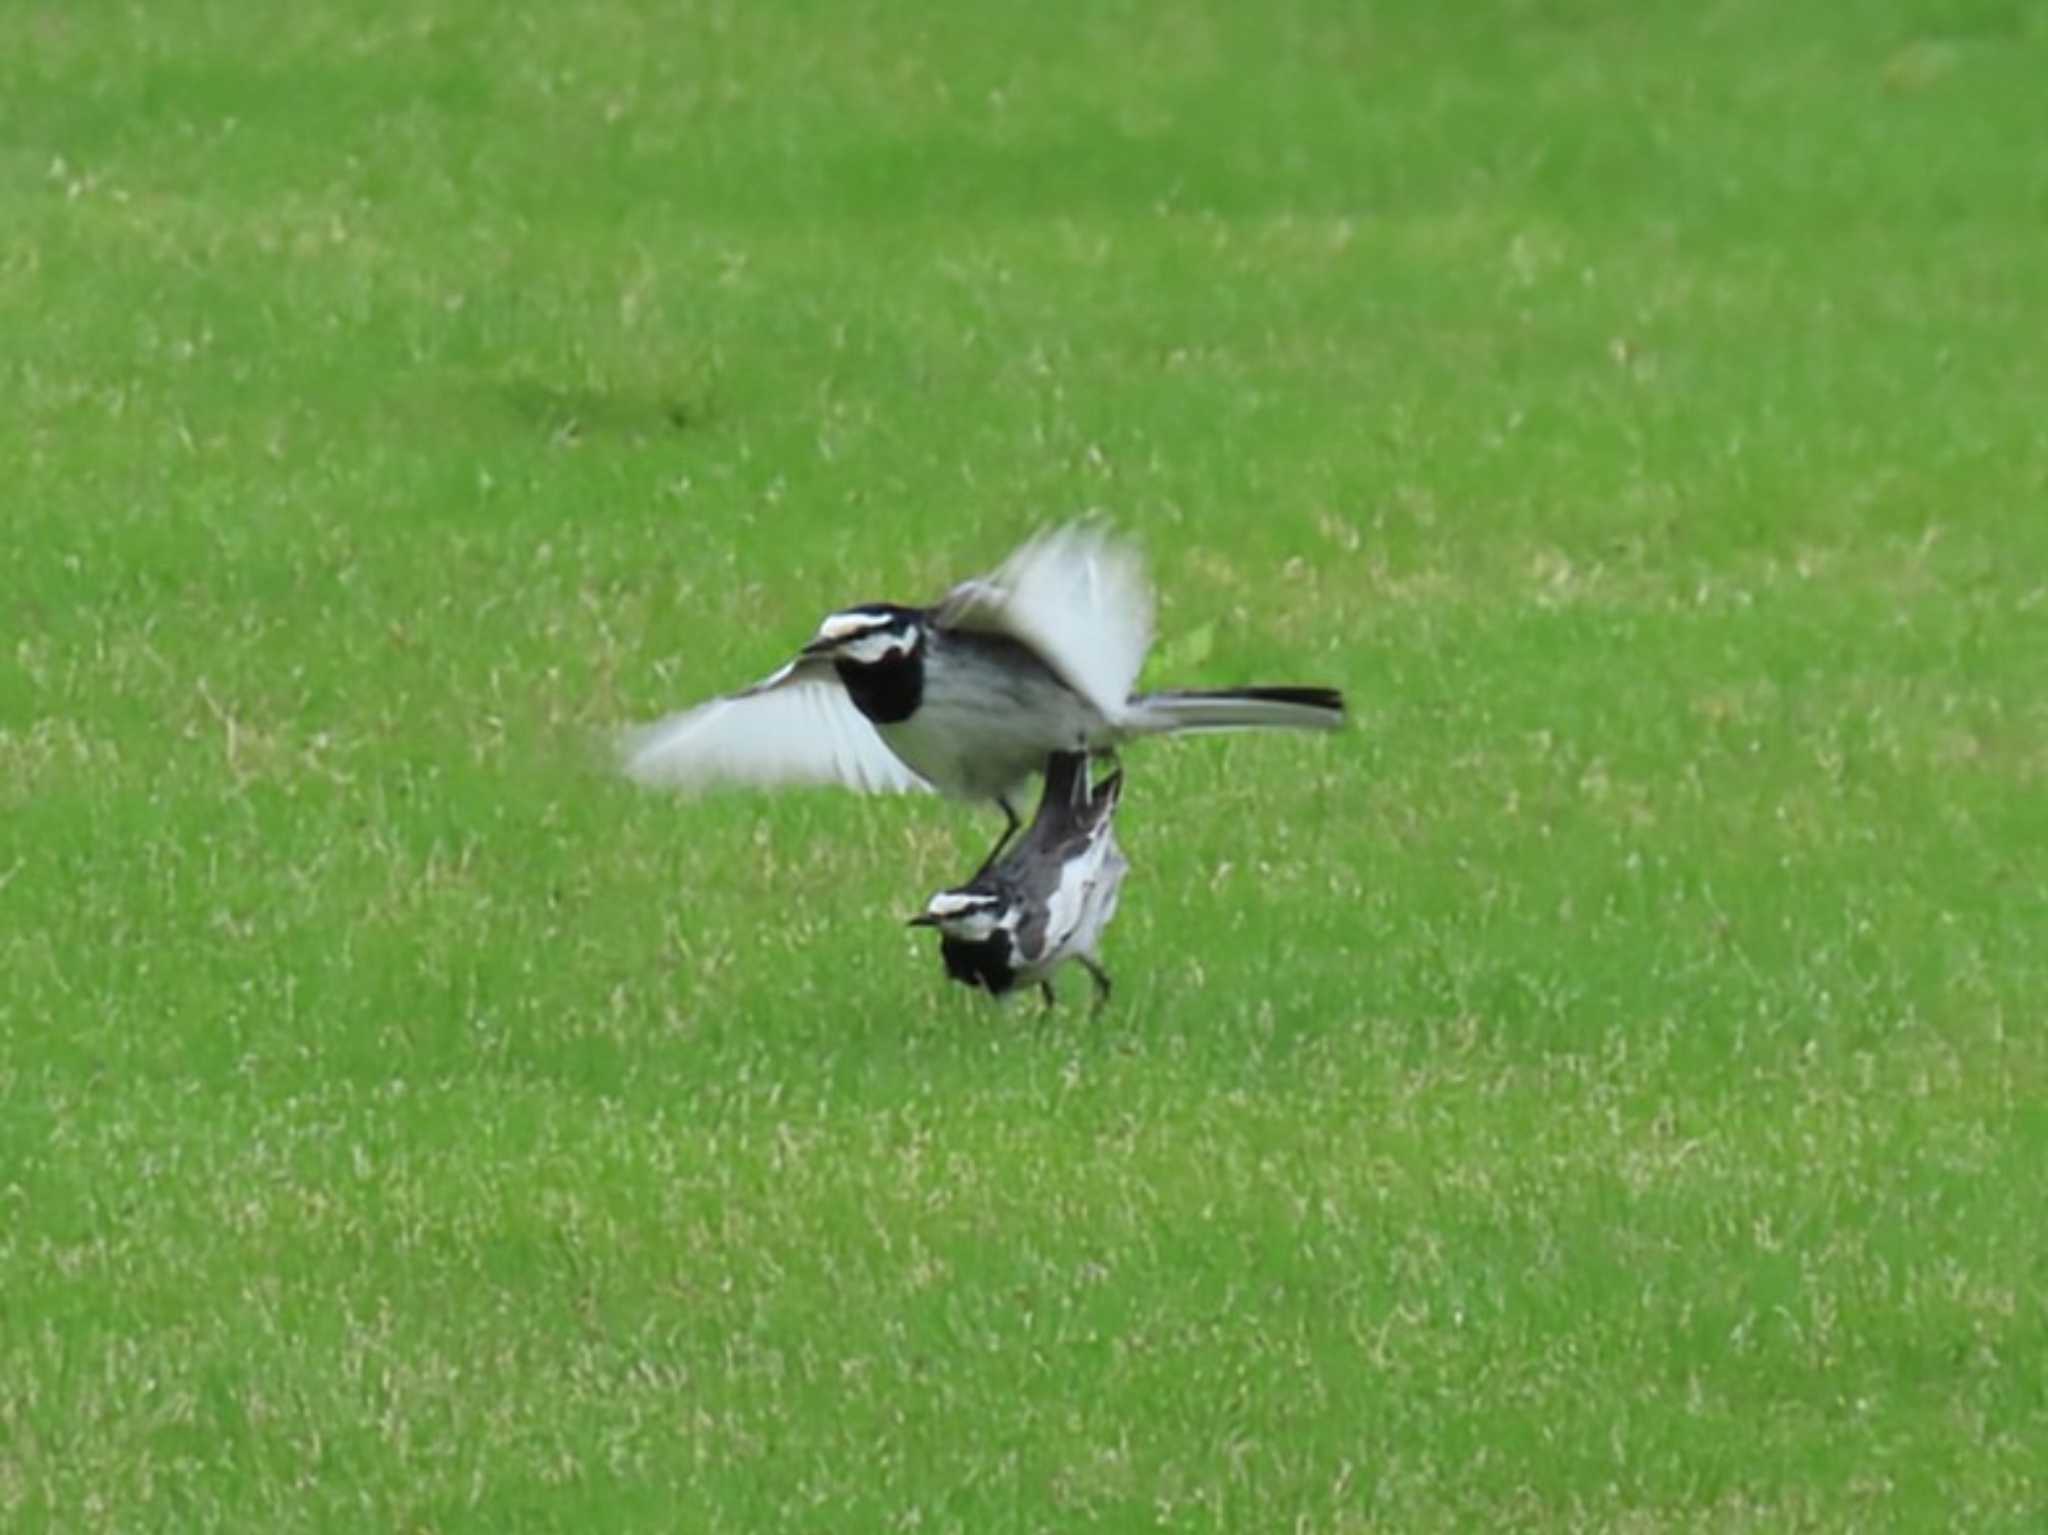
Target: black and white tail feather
969,696
1190,712
1045,901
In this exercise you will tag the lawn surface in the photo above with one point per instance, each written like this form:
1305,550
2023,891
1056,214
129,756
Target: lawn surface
1606,1089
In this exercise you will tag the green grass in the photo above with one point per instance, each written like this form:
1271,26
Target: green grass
1602,1091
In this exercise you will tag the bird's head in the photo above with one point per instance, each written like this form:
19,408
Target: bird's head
971,916
868,635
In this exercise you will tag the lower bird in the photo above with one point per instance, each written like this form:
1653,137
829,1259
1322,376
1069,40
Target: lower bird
968,696
1045,901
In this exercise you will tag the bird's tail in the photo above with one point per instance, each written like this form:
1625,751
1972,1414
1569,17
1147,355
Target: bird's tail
1066,781
1236,709
1068,794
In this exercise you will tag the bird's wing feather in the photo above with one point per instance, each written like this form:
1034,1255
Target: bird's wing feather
1079,598
796,727
1066,904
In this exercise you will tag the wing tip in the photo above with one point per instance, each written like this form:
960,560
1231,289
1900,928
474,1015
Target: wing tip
636,754
649,756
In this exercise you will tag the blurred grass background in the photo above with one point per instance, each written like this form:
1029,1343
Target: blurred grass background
1601,1091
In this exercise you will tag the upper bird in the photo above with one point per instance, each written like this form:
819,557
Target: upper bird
969,696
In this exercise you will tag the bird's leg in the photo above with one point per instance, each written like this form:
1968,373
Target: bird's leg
1003,841
1045,990
1101,978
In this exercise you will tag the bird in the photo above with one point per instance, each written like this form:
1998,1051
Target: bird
1045,901
968,696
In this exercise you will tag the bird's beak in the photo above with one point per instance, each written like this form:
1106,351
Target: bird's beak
923,919
819,647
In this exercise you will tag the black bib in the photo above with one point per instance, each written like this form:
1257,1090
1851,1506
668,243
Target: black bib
887,692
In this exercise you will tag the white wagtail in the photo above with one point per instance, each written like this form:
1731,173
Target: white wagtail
969,696
1045,901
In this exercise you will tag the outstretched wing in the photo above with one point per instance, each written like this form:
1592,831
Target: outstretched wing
1079,598
796,727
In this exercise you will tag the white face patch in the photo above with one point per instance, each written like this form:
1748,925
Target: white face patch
972,917
864,638
839,627
881,646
